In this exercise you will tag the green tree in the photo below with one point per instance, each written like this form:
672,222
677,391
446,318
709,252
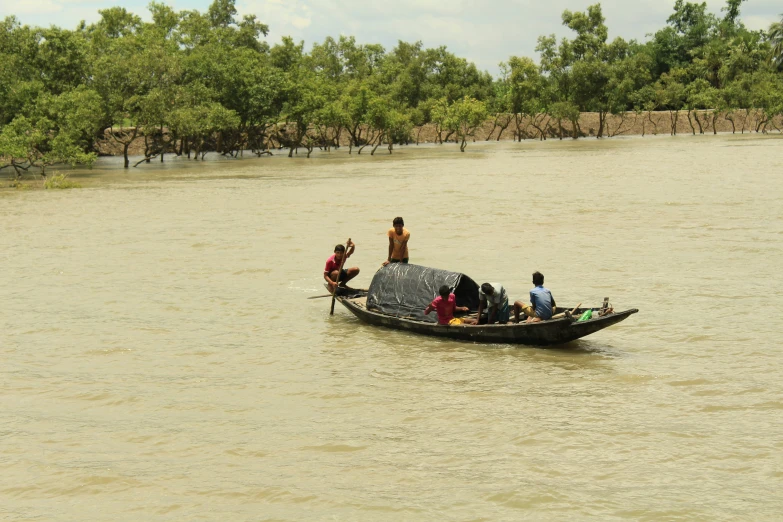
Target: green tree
132,61
306,94
567,111
499,107
37,143
627,76
463,117
672,93
378,120
529,93
689,29
355,102
701,95
697,93
580,70
775,35
767,97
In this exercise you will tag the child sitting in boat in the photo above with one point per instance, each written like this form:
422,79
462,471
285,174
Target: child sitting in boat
446,305
332,273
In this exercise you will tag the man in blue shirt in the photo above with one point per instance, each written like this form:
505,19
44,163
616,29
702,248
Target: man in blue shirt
542,304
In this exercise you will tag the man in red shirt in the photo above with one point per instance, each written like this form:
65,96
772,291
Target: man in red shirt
332,274
446,305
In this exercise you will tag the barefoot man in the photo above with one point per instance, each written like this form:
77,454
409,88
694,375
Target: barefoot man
332,274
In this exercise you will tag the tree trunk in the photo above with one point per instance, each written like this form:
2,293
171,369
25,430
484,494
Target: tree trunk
147,153
378,142
369,142
146,159
353,139
337,136
125,143
655,125
619,130
538,126
494,126
504,127
601,123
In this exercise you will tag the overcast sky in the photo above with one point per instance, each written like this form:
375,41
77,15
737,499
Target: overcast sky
485,32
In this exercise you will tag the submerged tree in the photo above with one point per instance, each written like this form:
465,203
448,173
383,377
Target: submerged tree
463,117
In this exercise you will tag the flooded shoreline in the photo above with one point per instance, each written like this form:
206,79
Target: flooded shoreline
111,167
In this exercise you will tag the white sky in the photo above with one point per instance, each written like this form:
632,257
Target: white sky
485,32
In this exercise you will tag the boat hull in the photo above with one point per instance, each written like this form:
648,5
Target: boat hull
544,333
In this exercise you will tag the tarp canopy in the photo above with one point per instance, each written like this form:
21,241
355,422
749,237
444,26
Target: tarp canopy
405,290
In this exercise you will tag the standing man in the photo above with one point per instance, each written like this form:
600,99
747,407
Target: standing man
332,274
493,297
398,242
542,304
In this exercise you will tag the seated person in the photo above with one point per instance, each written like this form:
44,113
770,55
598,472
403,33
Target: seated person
492,296
542,304
332,274
446,305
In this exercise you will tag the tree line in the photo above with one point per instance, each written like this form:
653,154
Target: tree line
190,82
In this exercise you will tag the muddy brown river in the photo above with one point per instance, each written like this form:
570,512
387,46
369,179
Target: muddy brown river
161,360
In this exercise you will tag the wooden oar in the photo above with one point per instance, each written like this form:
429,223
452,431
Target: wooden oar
319,296
339,273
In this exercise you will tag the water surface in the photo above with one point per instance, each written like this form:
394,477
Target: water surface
160,360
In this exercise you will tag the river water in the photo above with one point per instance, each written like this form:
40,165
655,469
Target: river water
161,360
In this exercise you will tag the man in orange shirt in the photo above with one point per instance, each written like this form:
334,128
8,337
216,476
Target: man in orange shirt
398,242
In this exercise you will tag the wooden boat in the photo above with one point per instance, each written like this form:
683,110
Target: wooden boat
399,293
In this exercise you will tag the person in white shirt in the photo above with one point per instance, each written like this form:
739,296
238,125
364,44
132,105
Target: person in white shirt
493,298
